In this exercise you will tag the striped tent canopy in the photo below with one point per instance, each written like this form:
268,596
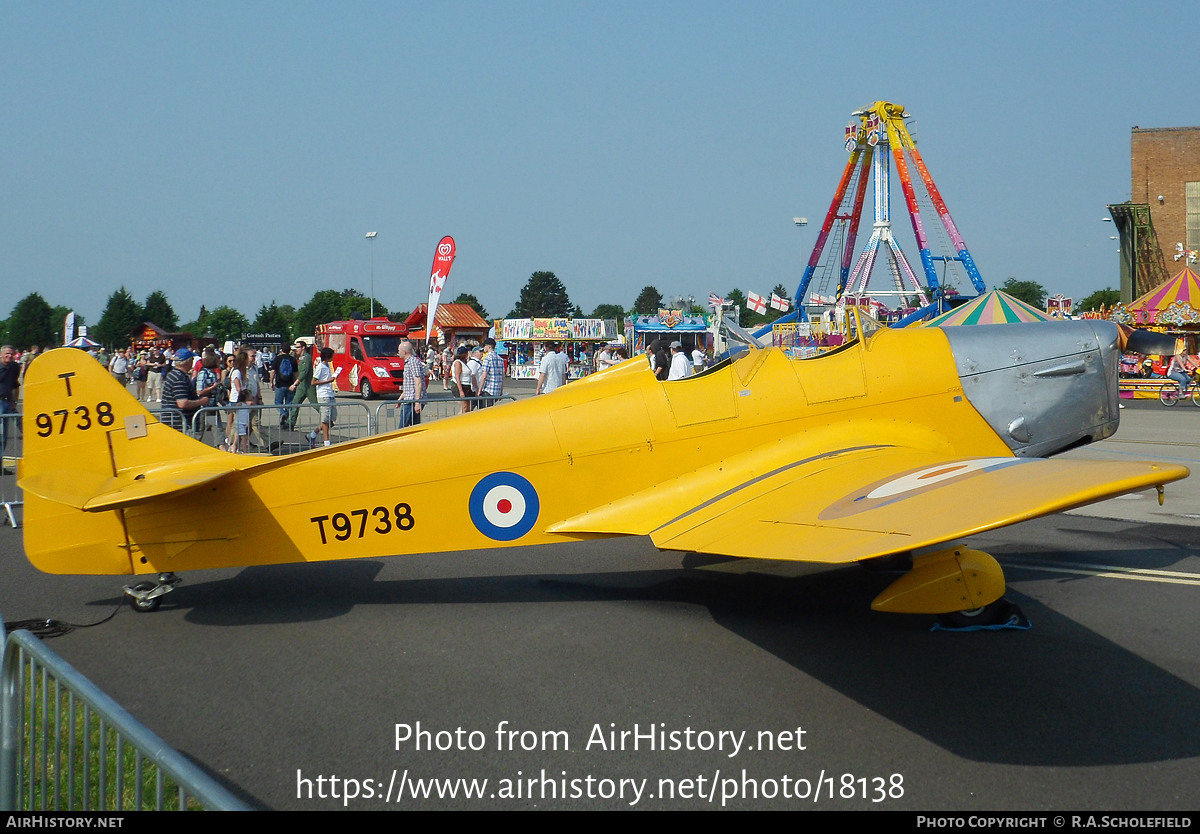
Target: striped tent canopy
1175,302
993,307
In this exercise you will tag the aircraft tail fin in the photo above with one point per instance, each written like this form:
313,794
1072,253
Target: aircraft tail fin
90,450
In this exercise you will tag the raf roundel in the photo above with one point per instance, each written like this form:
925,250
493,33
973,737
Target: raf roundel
504,506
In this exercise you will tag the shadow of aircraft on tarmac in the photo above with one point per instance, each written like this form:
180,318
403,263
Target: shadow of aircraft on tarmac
1060,695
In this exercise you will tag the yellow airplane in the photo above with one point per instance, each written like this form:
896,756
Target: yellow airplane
900,442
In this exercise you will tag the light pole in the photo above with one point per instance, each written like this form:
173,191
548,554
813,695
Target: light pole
371,239
800,222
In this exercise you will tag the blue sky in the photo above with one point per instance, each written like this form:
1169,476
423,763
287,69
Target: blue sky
235,153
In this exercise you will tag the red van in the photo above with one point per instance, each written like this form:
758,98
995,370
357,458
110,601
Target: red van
366,355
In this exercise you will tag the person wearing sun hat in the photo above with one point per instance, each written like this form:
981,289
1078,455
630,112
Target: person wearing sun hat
179,391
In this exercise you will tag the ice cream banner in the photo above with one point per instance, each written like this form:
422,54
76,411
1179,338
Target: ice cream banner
443,259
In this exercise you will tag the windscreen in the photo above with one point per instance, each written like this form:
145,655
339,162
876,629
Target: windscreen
380,346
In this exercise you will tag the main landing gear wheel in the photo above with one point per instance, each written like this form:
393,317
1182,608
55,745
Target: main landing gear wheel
365,389
144,605
145,597
990,614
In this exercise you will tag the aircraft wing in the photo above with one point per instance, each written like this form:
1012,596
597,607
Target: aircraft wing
857,503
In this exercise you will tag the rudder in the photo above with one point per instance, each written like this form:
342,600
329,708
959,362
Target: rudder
88,442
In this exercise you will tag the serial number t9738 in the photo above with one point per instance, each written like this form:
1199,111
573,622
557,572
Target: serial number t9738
382,521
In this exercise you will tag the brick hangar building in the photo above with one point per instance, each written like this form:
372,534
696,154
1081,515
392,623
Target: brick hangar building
1164,206
1166,175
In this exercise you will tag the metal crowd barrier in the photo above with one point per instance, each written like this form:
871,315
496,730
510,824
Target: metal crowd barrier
209,425
13,444
66,746
172,417
269,434
387,414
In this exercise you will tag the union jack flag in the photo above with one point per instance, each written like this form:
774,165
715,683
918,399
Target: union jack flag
716,302
780,303
756,302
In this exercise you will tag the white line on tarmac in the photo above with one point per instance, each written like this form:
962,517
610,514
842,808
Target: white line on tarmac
1110,572
1152,442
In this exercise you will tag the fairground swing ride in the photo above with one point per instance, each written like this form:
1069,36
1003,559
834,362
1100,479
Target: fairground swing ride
836,279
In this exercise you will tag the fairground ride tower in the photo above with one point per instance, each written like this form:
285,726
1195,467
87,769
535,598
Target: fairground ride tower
873,133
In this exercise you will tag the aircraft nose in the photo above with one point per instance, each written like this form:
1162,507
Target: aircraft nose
1044,386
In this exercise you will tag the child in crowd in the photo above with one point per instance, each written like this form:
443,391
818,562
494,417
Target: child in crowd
323,381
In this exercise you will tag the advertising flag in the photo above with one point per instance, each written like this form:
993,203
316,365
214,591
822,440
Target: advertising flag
756,302
780,303
443,259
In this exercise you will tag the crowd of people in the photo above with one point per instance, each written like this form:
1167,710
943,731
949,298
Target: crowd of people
473,374
190,381
186,381
678,363
245,377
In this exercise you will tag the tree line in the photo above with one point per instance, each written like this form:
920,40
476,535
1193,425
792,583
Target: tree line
34,321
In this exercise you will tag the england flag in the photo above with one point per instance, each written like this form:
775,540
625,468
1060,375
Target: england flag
781,304
756,302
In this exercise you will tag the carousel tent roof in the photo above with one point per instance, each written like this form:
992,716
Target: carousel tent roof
995,307
1183,287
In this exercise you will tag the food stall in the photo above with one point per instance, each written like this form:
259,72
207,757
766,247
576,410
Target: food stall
526,339
152,336
261,341
670,326
457,324
366,355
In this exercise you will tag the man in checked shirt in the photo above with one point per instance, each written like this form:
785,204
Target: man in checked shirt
413,388
493,374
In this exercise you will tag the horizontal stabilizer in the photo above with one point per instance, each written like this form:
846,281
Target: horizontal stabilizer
94,493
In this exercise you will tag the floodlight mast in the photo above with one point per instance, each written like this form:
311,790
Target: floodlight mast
371,239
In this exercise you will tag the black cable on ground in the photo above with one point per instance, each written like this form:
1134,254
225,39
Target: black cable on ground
45,629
